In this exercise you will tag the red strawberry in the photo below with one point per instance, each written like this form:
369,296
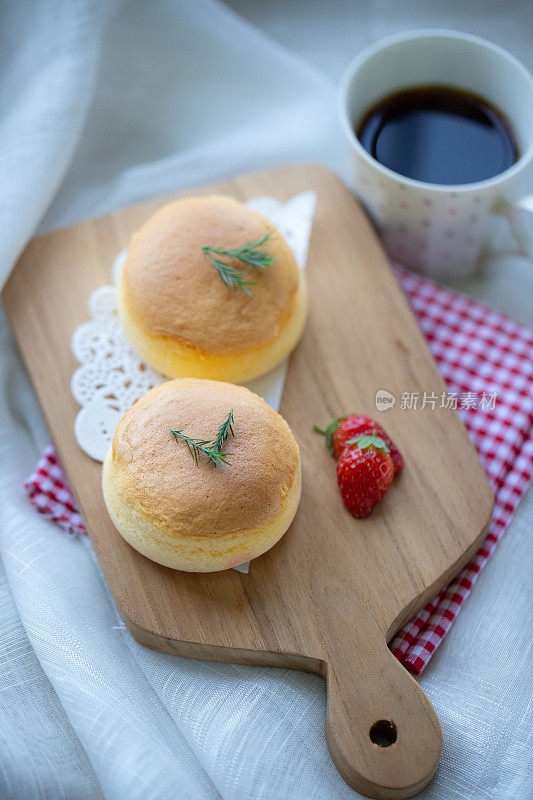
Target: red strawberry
364,474
341,430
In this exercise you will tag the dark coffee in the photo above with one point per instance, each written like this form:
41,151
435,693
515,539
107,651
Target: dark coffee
438,134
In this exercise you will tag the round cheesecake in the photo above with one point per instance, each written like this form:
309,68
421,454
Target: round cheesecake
179,313
188,513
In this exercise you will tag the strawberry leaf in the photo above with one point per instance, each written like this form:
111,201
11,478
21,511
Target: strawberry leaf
328,433
366,441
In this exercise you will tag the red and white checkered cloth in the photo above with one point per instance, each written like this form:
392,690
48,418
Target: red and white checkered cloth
487,362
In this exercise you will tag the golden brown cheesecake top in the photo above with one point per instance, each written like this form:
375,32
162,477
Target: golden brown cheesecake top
157,474
171,287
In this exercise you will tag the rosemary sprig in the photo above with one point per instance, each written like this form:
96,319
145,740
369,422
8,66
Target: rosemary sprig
197,447
231,276
212,449
250,254
224,430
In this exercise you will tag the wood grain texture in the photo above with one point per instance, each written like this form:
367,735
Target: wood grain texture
330,595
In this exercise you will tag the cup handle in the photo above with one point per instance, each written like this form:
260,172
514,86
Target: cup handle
520,217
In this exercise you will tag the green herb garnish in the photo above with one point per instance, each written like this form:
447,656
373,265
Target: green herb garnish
211,448
224,430
250,254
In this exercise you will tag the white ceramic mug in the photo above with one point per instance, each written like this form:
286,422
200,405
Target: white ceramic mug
434,228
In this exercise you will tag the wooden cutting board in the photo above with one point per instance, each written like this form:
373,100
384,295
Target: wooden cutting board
331,594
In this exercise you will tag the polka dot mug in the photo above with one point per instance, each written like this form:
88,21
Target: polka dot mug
436,229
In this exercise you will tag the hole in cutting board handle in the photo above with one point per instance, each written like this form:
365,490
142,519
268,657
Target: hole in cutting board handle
382,730
383,733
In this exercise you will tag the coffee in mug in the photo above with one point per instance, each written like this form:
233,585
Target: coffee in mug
438,134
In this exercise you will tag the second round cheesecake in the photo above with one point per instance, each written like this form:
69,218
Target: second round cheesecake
210,289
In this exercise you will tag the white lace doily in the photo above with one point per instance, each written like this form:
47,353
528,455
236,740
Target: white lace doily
112,377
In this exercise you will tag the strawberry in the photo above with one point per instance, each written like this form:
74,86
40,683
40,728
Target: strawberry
364,474
341,430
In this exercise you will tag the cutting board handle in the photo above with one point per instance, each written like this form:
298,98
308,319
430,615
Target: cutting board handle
383,733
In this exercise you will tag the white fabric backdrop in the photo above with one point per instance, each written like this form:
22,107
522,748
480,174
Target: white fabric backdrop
103,104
